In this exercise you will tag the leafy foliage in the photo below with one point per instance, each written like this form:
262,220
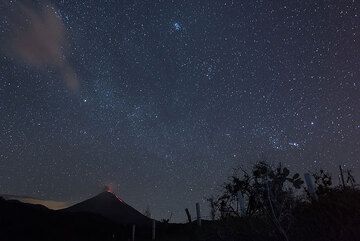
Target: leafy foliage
267,191
274,212
323,182
254,187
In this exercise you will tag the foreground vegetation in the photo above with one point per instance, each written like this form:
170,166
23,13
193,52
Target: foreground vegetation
272,204
265,203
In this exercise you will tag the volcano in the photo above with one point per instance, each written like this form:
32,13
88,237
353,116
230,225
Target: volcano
108,205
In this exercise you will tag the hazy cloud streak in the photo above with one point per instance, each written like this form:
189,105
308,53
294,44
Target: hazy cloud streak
38,38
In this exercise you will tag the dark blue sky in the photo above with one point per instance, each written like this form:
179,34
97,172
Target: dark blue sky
163,98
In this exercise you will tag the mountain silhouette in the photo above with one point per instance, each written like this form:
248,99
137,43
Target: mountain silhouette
33,222
108,205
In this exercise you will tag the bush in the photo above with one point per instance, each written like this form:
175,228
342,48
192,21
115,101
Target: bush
261,205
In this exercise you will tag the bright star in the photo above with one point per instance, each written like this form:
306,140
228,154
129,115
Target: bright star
177,26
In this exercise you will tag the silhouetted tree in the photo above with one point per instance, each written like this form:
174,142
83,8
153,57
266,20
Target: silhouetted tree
268,191
350,179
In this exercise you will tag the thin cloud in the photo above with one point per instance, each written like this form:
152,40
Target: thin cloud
37,36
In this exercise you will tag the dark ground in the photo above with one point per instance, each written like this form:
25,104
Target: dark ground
335,216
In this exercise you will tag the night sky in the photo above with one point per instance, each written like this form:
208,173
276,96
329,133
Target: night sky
162,99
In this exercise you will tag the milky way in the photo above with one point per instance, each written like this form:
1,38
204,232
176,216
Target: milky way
174,94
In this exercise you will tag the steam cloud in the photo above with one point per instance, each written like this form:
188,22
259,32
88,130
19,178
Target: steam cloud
38,38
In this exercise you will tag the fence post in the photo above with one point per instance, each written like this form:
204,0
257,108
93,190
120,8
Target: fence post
153,229
241,204
310,185
342,176
198,214
133,232
188,215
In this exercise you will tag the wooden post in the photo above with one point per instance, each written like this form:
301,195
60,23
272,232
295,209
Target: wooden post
133,232
310,185
212,209
342,176
153,229
188,215
198,214
241,204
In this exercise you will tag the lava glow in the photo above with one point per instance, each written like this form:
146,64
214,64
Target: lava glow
109,188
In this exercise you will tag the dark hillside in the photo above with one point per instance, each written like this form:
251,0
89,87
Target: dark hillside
20,221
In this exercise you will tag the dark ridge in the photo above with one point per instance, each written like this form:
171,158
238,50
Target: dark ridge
22,221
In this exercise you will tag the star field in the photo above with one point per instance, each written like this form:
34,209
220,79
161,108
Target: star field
161,99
